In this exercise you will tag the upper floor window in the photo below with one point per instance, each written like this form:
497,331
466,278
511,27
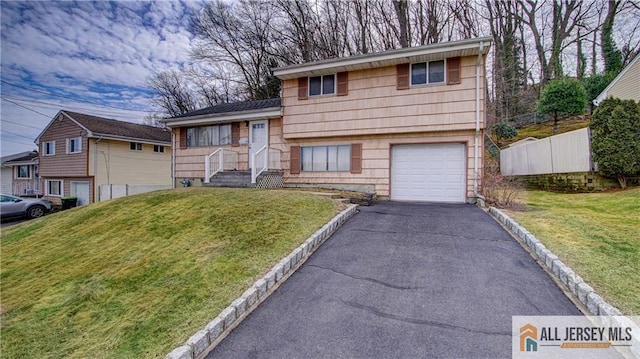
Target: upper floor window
49,148
326,158
216,135
74,145
135,146
322,85
427,72
158,149
23,171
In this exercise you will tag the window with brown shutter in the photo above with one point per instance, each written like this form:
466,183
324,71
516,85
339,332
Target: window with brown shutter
183,138
303,82
235,134
294,160
343,83
402,76
453,70
356,158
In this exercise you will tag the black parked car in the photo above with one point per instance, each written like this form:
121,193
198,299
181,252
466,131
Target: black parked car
12,206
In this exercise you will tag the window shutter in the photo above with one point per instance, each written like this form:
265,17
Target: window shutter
183,138
356,158
453,70
303,92
67,146
294,159
343,83
402,76
235,134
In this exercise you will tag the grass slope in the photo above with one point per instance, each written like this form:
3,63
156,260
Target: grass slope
596,234
135,277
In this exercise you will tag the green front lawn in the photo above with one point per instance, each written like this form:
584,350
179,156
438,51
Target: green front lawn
596,234
135,277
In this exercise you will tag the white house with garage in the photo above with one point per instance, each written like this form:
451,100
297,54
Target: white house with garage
404,124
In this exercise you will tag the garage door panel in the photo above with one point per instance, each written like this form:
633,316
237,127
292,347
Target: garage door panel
434,172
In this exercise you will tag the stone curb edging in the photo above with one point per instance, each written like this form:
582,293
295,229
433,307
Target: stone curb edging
204,340
572,281
585,294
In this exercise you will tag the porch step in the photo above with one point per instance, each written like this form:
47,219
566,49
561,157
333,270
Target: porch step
235,179
242,179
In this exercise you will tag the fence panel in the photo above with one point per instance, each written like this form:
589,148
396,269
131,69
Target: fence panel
112,191
565,153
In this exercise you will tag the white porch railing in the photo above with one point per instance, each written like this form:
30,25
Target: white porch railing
264,159
220,160
31,188
260,160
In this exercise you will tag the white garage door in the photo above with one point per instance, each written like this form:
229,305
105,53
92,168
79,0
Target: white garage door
434,173
81,190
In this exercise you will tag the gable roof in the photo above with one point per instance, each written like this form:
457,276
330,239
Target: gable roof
114,129
605,93
229,112
439,51
30,157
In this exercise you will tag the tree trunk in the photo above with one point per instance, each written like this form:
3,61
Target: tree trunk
402,13
623,181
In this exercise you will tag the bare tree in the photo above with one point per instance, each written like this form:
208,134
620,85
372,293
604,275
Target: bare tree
171,94
508,72
239,35
565,16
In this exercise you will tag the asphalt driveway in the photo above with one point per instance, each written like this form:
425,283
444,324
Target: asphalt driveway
402,280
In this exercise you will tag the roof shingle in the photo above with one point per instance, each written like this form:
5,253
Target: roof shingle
234,107
109,127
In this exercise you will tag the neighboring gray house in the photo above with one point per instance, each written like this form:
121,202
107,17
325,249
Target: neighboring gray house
625,86
20,174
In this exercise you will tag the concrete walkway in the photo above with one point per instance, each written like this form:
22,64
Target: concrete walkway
403,280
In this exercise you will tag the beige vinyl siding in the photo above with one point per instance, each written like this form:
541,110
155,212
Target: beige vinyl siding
118,164
627,87
376,152
374,105
189,162
63,164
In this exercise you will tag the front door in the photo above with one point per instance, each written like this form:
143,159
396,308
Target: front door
258,134
80,190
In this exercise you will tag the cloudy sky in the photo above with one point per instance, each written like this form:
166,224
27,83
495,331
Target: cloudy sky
90,57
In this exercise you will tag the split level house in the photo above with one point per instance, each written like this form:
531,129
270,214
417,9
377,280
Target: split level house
404,124
20,174
79,153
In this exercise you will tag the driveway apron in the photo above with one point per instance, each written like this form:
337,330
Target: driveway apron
402,280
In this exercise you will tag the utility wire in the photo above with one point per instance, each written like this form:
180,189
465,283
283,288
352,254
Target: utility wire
61,96
21,143
16,134
26,108
21,124
121,114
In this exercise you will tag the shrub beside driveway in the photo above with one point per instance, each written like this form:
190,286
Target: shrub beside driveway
136,276
596,234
